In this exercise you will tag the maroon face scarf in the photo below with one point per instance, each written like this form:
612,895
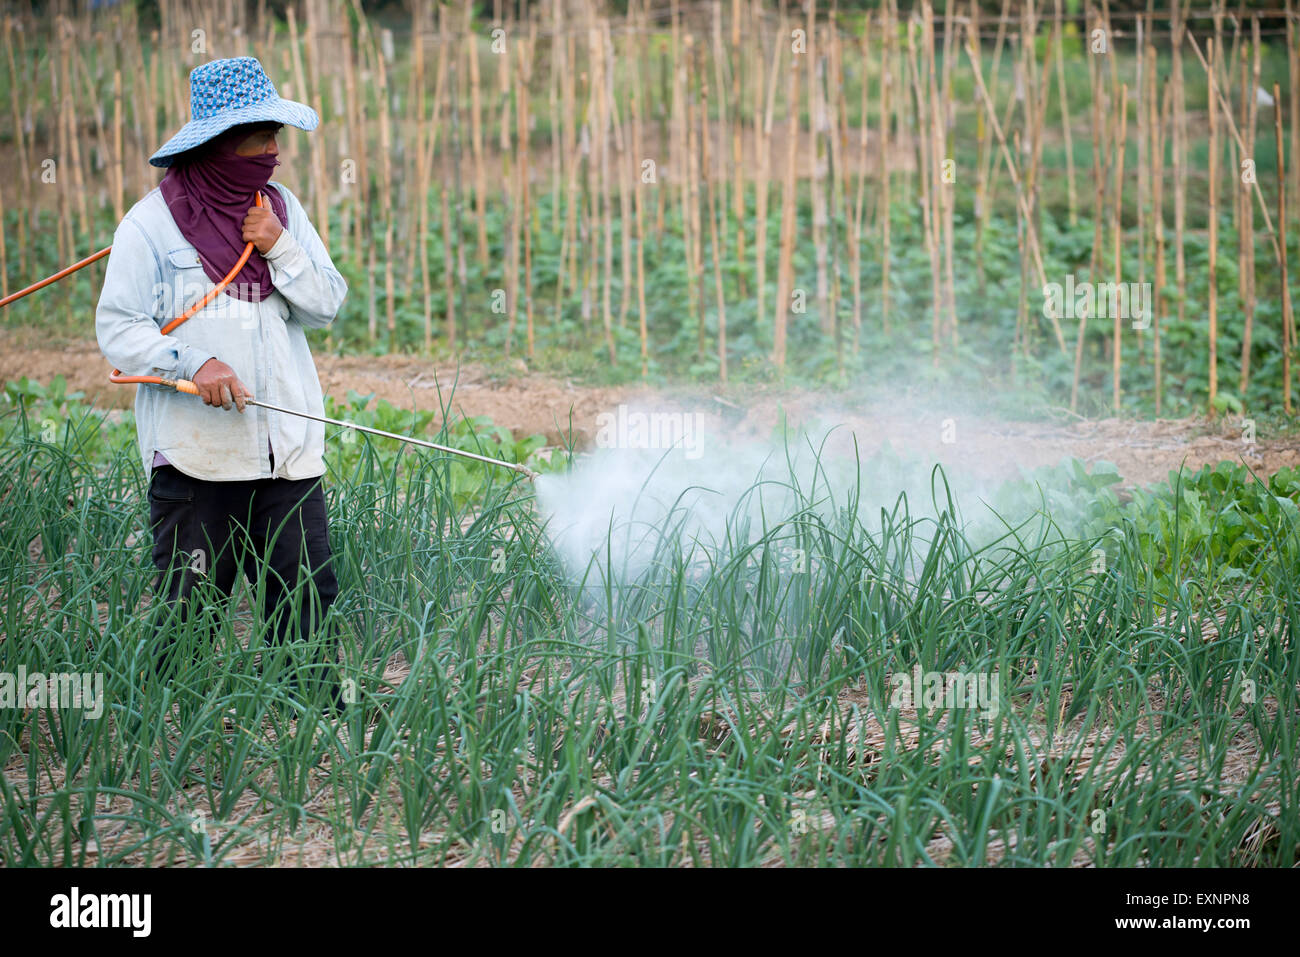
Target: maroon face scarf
209,195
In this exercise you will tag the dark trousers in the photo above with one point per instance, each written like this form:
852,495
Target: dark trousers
215,530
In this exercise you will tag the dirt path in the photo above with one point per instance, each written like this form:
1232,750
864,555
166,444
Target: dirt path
985,447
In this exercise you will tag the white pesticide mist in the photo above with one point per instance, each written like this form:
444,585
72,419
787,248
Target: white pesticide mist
621,510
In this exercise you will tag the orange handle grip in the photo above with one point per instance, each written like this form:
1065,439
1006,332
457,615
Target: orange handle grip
185,385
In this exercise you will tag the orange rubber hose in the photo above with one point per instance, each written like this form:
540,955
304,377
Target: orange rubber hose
182,385
186,386
15,296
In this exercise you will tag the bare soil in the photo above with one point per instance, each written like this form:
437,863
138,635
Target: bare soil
526,402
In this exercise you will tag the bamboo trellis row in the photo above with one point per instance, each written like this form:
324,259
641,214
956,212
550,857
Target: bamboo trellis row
679,126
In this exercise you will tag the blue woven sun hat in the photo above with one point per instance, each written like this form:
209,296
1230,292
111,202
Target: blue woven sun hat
231,92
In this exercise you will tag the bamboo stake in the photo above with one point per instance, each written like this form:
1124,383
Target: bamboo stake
981,155
18,85
133,54
923,138
119,160
569,163
1117,350
737,166
1157,181
901,101
763,138
1112,59
937,191
640,241
367,47
1225,107
667,120
90,94
1212,291
1018,66
510,198
1143,162
553,103
73,140
590,225
317,145
946,190
1239,157
1247,238
505,81
1154,144
75,66
789,225
19,93
817,155
640,221
1180,165
985,155
421,238
683,152
838,123
1098,136
1222,65
927,180
621,167
476,134
859,203
1293,73
883,215
1288,329
353,131
151,106
588,198
509,176
1034,250
386,200
1071,194
603,57
169,93
300,89
289,154
724,109
448,267
435,124
415,100
458,154
712,199
64,241
1035,106
1100,148
693,174
525,74
1019,345
4,250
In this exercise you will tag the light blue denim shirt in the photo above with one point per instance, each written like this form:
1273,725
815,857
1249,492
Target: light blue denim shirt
153,275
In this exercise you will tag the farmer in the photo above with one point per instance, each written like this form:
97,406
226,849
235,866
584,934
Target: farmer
230,485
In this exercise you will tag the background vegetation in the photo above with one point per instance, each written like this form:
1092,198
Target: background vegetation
460,236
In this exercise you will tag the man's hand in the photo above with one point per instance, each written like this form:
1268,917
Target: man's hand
262,228
218,385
